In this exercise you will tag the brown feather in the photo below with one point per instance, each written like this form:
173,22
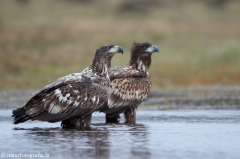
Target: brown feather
130,84
74,95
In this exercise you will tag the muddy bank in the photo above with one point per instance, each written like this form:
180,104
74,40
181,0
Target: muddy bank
188,98
13,98
194,98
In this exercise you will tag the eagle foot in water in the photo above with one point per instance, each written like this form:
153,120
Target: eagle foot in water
79,122
130,116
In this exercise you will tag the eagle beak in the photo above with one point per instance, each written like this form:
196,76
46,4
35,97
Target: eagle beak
152,49
120,49
116,49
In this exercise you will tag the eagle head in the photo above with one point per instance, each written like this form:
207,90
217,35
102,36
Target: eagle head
109,50
102,60
141,55
144,48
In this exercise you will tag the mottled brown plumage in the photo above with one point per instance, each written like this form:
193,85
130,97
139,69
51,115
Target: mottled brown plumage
72,99
130,84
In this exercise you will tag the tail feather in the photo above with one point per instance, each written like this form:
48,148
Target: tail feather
20,116
19,111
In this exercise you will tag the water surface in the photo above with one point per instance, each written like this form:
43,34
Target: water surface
159,134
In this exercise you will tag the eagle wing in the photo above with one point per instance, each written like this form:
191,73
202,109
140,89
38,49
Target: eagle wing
67,101
129,88
75,94
84,76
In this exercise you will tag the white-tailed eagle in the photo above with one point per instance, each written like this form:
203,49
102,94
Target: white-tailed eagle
130,84
75,96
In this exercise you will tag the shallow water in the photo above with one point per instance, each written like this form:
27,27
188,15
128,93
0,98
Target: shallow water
159,134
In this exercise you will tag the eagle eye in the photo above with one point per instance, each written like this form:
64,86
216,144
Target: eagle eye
145,46
109,47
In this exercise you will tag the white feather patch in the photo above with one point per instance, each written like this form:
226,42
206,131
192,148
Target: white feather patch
124,96
51,105
69,102
97,100
94,99
116,91
57,92
139,65
120,95
75,91
143,68
76,103
105,69
62,99
55,109
136,93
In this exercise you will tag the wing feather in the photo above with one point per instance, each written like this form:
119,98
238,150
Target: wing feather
68,101
84,76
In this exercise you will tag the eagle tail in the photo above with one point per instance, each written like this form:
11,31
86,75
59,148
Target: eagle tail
20,115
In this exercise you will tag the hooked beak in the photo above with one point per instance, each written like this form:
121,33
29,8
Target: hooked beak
116,49
152,49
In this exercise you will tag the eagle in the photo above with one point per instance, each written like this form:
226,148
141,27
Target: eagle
73,98
130,84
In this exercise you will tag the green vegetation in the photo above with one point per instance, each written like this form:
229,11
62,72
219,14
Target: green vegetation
42,40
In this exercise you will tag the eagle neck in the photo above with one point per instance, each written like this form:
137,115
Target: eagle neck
141,63
101,66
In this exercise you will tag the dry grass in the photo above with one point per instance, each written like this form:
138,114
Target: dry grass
43,40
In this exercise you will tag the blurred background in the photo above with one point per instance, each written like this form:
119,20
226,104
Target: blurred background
42,40
198,68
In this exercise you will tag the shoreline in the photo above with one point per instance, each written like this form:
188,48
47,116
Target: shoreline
214,97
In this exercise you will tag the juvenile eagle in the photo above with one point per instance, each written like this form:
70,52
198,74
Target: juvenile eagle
74,96
130,84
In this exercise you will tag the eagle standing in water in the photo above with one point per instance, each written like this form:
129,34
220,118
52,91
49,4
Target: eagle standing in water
73,98
130,84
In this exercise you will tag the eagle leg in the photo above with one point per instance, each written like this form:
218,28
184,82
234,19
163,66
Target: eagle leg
130,116
79,122
69,123
114,119
88,120
84,122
